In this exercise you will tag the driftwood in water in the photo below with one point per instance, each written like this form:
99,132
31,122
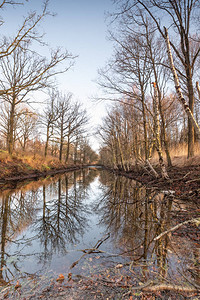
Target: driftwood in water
152,169
92,250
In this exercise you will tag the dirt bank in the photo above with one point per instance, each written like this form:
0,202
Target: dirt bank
184,180
13,169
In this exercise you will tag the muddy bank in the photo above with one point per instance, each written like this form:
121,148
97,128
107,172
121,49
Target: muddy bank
14,176
184,180
37,174
88,289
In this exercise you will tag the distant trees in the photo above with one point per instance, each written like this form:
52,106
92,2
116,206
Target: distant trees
122,132
49,117
65,123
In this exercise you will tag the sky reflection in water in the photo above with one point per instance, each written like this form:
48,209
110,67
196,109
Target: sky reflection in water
45,224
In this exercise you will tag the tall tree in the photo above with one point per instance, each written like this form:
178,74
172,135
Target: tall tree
49,117
62,124
181,16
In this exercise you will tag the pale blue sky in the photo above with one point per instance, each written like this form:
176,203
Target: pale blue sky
80,27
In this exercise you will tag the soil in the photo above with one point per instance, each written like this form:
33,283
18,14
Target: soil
184,183
10,180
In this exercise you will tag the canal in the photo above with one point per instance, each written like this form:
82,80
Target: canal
92,223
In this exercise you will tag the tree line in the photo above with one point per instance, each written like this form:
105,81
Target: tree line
23,71
152,78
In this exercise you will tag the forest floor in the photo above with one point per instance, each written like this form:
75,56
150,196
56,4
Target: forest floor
184,183
184,178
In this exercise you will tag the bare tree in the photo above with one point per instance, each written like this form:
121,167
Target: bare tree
178,89
23,72
182,16
28,30
62,124
76,125
49,117
26,123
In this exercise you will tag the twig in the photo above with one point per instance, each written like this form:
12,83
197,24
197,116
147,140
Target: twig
197,179
92,250
186,174
197,221
192,283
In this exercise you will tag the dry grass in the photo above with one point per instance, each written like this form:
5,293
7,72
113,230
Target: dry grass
39,162
179,156
20,163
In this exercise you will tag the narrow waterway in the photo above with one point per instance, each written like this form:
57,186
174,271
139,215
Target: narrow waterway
49,227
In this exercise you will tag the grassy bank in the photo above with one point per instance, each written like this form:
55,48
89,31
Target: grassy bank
27,165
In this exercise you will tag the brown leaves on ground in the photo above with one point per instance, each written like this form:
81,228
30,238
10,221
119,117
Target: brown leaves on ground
60,278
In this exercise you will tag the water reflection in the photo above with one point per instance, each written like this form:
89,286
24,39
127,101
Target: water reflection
42,222
136,215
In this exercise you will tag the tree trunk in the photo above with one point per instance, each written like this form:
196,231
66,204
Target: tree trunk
61,149
47,142
192,124
11,126
191,106
198,89
157,133
67,151
169,162
75,152
144,126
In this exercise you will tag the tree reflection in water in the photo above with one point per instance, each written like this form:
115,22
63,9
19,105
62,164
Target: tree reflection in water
42,221
53,215
136,215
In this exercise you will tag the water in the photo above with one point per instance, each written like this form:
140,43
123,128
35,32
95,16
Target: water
46,225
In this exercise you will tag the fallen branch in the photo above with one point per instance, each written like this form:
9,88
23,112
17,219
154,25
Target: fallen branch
197,179
152,169
197,221
92,250
170,287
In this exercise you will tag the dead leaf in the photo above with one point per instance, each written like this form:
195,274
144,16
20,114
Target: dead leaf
60,278
119,266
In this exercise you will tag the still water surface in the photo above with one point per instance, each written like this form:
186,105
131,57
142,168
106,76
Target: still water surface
46,225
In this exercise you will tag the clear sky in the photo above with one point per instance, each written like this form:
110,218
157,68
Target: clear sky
80,27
